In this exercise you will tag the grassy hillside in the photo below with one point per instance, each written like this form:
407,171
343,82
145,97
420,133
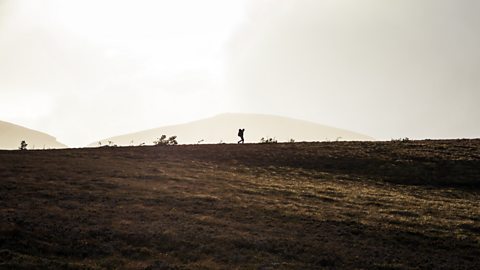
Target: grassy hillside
363,205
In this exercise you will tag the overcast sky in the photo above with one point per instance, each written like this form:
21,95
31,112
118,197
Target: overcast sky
86,70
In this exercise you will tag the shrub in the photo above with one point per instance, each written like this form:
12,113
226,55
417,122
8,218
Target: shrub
164,141
268,140
111,144
406,139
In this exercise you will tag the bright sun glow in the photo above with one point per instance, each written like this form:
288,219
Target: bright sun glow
116,65
87,70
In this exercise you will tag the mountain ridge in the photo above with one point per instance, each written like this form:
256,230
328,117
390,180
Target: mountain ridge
222,128
12,134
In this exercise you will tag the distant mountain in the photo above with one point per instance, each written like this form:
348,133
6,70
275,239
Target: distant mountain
224,128
11,135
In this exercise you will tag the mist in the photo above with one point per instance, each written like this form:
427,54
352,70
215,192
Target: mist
86,70
389,69
83,70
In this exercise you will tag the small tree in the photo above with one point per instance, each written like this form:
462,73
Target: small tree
23,145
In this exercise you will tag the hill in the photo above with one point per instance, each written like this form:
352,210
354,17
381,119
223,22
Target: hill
11,135
224,127
329,205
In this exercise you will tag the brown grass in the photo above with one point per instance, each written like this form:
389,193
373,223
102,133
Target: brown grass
356,205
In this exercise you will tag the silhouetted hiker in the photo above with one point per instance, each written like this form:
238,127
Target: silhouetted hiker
240,134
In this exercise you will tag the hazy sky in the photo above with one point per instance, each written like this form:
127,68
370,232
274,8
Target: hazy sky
86,70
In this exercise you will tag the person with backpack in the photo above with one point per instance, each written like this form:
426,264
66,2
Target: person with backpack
240,134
